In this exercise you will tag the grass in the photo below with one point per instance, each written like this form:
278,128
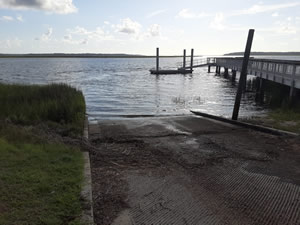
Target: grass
282,119
40,177
285,119
31,104
40,182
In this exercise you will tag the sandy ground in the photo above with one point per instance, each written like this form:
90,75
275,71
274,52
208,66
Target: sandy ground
191,170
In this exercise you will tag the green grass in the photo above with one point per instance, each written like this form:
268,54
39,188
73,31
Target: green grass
57,104
285,119
40,177
282,119
40,181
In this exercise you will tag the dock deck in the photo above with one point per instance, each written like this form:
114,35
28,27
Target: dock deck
176,71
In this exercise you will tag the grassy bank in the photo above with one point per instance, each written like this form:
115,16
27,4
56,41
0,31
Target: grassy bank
40,176
283,119
32,104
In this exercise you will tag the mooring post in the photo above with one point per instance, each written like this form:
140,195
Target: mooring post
233,75
262,84
209,68
243,75
226,73
184,58
157,59
292,87
192,58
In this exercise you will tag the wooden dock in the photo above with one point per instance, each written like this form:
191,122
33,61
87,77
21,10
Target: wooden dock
168,72
181,70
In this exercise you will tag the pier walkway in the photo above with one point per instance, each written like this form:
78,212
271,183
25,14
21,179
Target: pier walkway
286,72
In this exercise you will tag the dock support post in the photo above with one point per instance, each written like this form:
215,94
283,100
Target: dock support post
233,75
292,92
260,90
226,73
192,58
157,59
243,76
216,69
292,88
208,69
184,58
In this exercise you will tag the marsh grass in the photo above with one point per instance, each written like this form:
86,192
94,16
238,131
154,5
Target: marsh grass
31,104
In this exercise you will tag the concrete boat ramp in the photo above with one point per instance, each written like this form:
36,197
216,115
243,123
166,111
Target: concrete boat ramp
191,170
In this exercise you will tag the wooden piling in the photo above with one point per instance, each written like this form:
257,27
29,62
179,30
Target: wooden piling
208,69
157,59
292,87
243,75
226,73
192,58
216,69
184,58
233,75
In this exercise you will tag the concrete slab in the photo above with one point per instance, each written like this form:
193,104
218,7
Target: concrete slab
190,170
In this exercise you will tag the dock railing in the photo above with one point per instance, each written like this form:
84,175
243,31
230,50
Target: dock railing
286,72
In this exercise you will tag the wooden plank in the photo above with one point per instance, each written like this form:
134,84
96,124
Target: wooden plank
181,71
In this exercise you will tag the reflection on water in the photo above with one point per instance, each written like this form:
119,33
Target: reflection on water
116,87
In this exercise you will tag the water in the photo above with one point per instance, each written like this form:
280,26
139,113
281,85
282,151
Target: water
124,87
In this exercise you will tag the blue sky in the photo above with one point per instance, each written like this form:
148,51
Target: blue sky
138,27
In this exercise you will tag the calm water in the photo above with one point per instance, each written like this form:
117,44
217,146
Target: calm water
124,87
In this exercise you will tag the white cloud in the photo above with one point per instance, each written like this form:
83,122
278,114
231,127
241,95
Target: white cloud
54,6
285,28
106,22
129,26
10,43
7,18
218,22
261,8
80,35
275,14
154,30
188,14
20,18
155,13
46,36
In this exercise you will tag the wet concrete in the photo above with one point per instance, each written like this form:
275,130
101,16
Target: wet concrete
191,170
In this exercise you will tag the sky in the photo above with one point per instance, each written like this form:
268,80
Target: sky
139,26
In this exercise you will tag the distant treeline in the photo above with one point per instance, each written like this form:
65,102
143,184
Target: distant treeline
267,53
80,55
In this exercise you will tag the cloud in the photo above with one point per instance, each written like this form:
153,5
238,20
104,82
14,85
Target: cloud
46,36
128,26
275,14
218,22
261,8
10,43
54,6
154,30
82,36
98,33
20,18
7,18
155,13
188,14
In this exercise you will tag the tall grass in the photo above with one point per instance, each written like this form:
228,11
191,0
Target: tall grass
30,104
